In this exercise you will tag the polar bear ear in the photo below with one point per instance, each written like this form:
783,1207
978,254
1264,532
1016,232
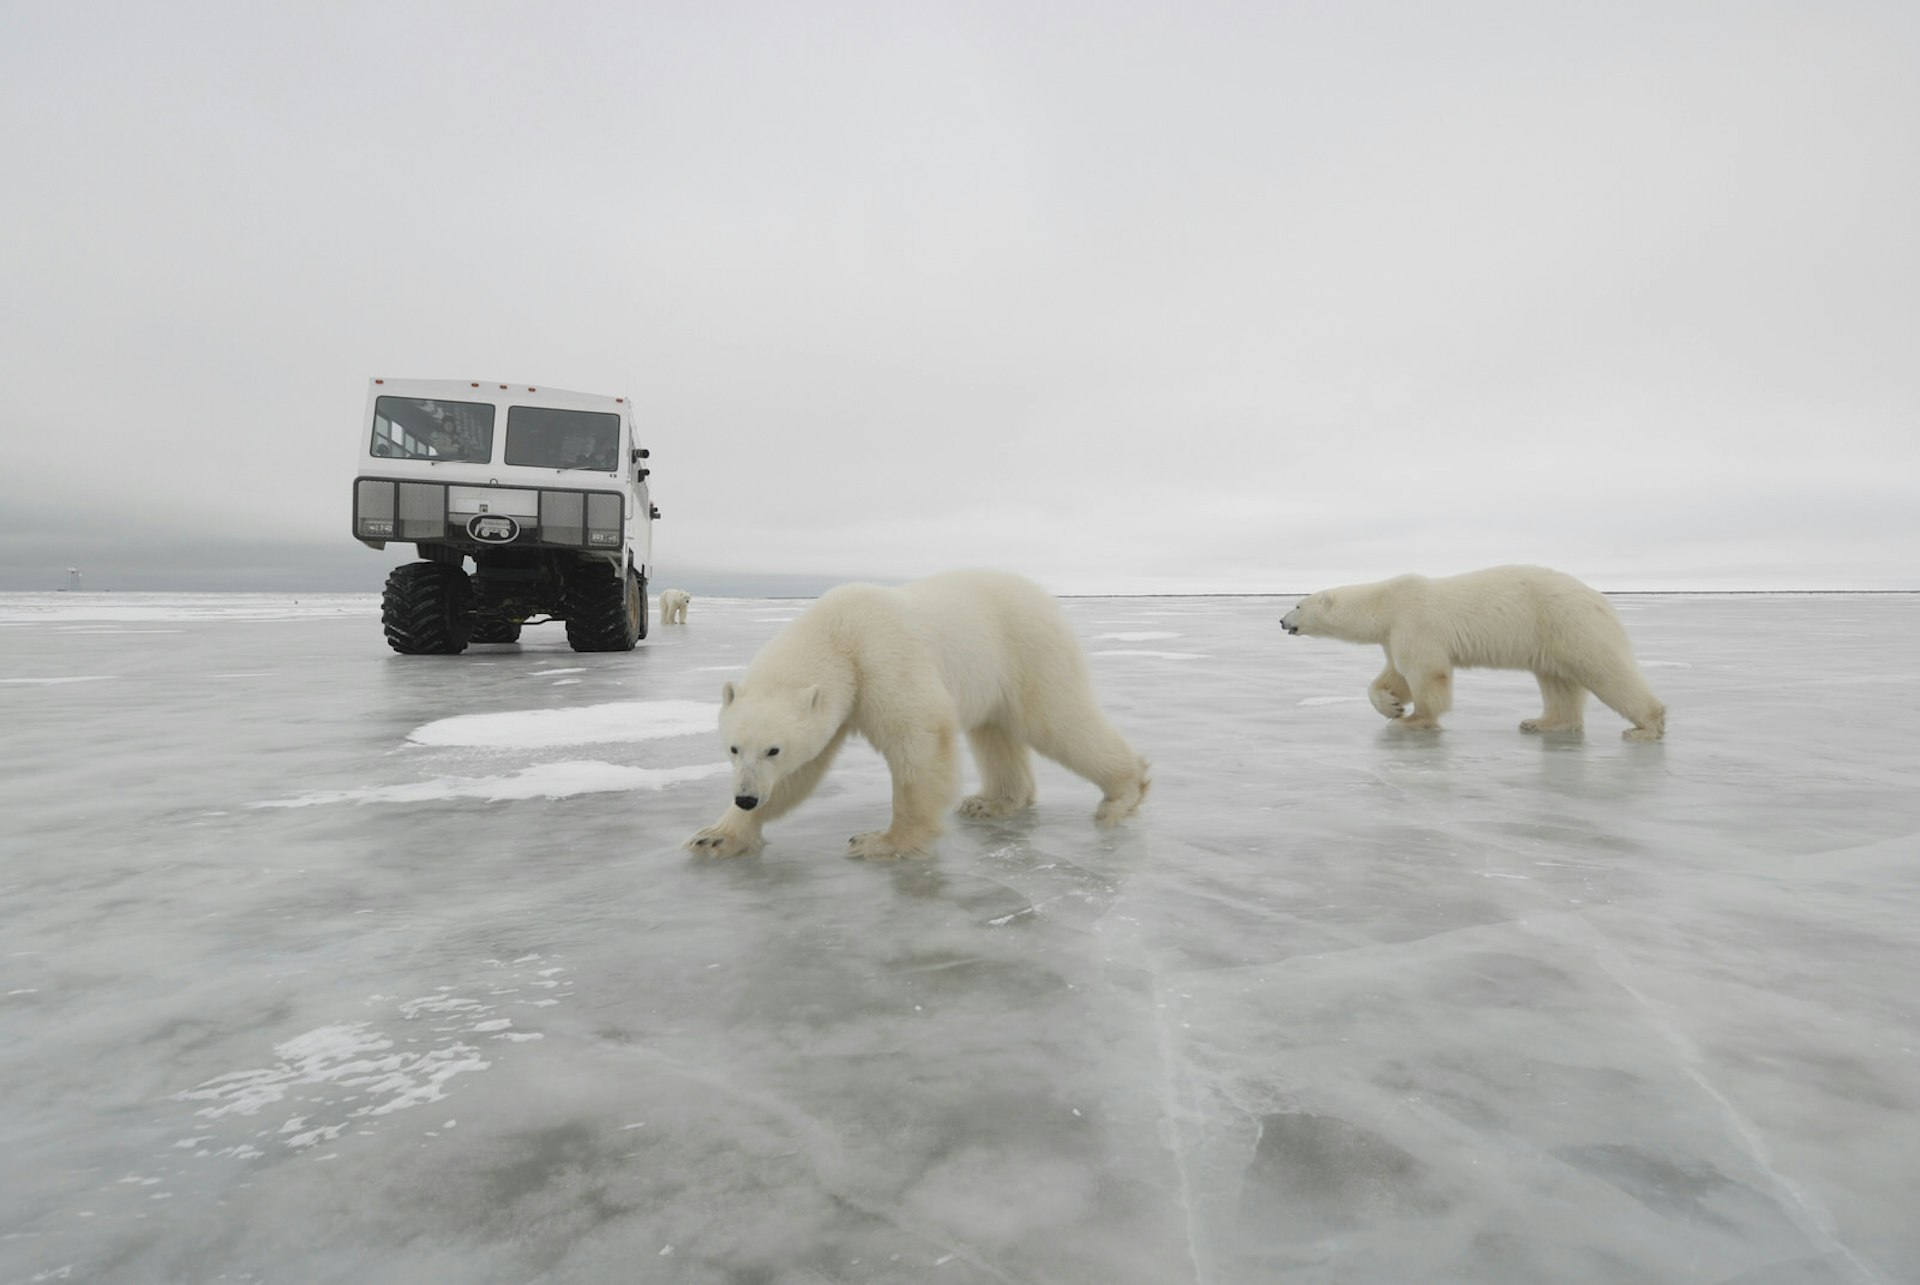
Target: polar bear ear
726,694
810,697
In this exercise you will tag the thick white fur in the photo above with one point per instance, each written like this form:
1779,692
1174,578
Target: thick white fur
1501,618
980,653
673,606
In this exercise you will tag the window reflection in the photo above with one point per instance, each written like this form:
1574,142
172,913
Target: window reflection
418,428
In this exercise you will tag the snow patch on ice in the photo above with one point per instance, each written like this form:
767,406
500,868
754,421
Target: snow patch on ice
1329,700
1139,635
541,781
1163,655
586,725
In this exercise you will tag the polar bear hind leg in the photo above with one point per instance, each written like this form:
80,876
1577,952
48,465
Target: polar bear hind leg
1006,773
1077,736
1564,705
1621,689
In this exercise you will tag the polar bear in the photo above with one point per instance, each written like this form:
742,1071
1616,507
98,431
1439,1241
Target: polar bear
983,653
673,606
1501,618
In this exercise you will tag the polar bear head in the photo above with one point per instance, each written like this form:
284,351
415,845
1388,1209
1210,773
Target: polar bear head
770,734
1351,614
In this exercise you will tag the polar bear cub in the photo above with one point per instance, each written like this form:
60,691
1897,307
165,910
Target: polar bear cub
980,653
673,606
1501,618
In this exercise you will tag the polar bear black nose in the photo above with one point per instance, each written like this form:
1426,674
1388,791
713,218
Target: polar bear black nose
745,802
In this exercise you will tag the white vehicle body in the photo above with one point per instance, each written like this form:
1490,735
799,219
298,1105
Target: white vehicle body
543,489
447,492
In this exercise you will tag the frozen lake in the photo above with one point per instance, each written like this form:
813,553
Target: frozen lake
324,964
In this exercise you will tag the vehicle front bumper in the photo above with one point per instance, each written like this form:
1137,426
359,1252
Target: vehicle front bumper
487,516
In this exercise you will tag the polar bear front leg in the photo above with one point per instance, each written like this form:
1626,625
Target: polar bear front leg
735,834
1430,679
925,779
1390,693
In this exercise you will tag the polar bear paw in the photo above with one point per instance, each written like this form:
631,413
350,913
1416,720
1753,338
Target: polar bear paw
982,805
878,845
1389,705
1542,725
1643,733
1123,803
719,841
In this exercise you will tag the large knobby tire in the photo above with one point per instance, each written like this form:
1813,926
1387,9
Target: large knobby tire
427,609
605,611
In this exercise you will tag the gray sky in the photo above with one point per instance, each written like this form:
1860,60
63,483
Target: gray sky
1170,297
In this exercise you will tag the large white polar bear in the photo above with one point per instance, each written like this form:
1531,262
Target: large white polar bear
977,652
673,606
1501,618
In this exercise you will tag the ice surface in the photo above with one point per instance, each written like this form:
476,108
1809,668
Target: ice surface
295,987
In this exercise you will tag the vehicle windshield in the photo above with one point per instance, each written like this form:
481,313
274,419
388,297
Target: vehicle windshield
540,437
415,428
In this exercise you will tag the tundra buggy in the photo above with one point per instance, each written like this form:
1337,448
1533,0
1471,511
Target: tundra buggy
543,490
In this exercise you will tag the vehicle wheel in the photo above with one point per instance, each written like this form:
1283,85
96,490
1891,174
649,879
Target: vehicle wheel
427,609
604,614
491,628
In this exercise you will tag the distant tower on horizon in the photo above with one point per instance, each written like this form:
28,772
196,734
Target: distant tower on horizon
73,580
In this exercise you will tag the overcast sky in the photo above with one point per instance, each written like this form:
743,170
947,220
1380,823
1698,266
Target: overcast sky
1130,297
